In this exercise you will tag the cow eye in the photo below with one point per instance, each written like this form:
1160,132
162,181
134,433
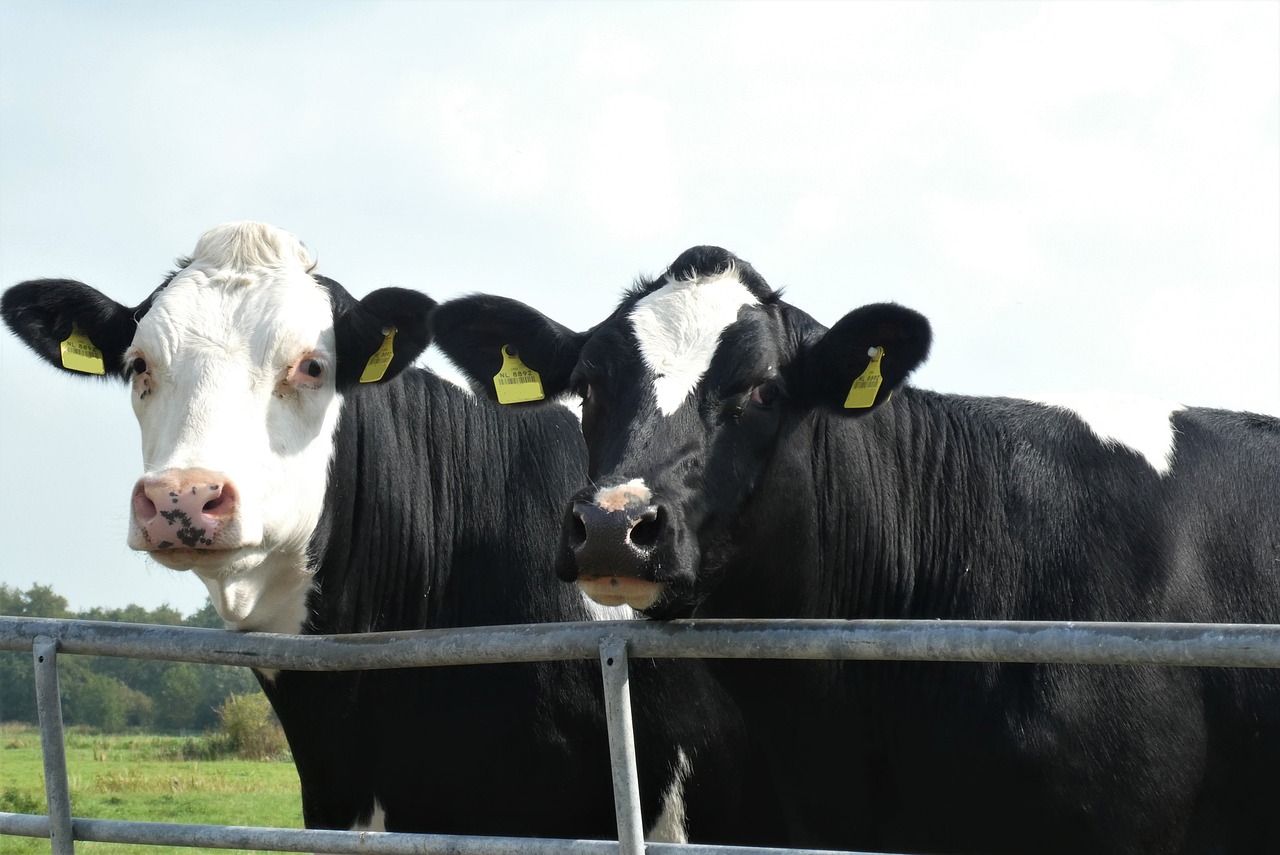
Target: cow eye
583,390
308,373
765,394
137,365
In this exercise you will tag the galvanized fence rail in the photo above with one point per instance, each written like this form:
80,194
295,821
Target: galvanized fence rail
1215,645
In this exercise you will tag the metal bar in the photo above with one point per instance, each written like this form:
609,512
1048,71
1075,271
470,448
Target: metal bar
622,745
52,747
372,842
1182,644
1225,645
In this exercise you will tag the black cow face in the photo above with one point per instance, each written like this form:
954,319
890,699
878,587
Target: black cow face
687,390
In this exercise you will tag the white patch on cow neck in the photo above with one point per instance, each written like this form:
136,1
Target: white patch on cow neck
678,328
673,823
1144,425
377,820
571,402
218,340
269,595
596,611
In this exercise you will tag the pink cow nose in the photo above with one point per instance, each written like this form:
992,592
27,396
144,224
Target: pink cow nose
183,508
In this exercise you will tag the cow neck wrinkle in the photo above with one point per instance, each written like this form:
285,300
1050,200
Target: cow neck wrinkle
875,491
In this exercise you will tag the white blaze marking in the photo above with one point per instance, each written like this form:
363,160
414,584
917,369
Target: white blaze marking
678,328
673,825
1141,424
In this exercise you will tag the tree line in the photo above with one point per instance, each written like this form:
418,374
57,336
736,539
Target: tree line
112,693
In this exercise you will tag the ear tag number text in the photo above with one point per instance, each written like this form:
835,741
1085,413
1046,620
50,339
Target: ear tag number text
516,382
79,354
376,367
863,392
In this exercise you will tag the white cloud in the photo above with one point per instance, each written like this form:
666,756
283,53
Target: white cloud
628,177
482,139
1075,192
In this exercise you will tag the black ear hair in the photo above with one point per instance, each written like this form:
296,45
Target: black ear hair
472,331
44,312
843,354
361,328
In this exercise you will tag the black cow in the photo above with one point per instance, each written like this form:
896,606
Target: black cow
745,461
316,483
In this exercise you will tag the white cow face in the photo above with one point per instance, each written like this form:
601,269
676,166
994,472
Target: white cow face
232,376
237,367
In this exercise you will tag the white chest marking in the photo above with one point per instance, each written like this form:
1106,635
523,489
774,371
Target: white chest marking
1142,424
678,328
377,820
673,823
596,611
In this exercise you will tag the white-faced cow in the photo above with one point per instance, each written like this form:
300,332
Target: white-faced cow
316,483
745,461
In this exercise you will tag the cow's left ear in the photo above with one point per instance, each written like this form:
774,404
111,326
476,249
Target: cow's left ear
381,335
855,366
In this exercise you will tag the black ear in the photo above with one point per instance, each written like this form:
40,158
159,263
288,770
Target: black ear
45,312
473,331
362,328
843,355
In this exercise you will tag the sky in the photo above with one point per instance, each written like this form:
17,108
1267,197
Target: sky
1080,196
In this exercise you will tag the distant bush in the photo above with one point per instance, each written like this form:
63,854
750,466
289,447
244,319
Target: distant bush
250,728
115,694
13,800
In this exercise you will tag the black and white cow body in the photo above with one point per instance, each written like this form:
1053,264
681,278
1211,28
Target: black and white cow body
729,479
315,486
498,749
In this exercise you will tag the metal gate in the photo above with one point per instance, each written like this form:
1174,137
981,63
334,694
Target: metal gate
1218,645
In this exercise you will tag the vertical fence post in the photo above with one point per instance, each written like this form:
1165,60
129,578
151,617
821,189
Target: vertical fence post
622,748
52,745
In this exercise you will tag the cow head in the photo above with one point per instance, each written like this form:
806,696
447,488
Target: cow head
687,389
237,365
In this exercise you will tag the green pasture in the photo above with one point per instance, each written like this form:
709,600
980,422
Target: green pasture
146,778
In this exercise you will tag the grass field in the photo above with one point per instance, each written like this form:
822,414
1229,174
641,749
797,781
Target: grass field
145,778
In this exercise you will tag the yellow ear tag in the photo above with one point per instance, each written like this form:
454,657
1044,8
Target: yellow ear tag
79,354
516,382
376,367
863,392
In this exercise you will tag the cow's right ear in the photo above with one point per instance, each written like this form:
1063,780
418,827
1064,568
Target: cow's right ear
496,341
70,325
855,366
381,335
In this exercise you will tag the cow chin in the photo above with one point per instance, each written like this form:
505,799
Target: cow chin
202,561
622,591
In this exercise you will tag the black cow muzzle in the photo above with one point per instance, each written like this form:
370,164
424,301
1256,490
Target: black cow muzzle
612,552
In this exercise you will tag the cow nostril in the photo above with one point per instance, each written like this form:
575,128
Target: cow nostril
222,501
577,533
143,508
648,528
